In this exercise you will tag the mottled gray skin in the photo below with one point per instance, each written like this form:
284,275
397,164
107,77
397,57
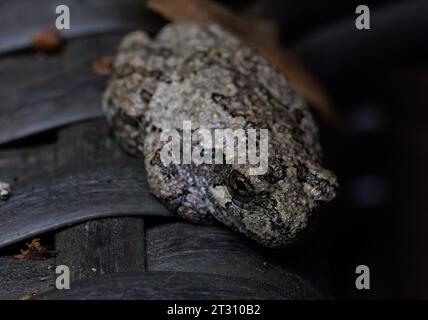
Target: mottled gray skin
4,191
205,75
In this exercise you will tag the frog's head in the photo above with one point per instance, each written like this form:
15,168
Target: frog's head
275,207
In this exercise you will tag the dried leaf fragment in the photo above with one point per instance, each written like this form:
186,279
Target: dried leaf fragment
27,296
35,251
102,66
47,40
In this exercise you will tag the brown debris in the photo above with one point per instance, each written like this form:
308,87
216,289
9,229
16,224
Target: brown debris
47,40
35,251
27,296
254,34
102,66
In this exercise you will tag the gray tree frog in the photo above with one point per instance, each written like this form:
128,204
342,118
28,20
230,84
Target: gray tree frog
205,75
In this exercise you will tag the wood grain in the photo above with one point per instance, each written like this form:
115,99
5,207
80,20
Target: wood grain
44,92
25,277
105,245
166,286
70,189
75,194
101,247
185,247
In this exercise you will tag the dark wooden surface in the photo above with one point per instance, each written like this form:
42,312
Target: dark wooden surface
215,250
70,191
25,277
88,17
167,285
101,247
76,194
41,92
106,245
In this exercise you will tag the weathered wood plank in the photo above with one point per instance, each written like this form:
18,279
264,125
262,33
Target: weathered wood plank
16,165
43,92
76,194
70,189
89,142
166,286
21,20
106,245
25,277
213,250
22,163
22,72
101,247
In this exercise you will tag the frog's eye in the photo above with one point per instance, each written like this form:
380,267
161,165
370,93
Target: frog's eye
240,188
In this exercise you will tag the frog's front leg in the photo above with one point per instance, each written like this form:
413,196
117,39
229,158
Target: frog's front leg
175,184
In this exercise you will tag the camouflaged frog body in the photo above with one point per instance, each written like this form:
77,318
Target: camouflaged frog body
204,75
